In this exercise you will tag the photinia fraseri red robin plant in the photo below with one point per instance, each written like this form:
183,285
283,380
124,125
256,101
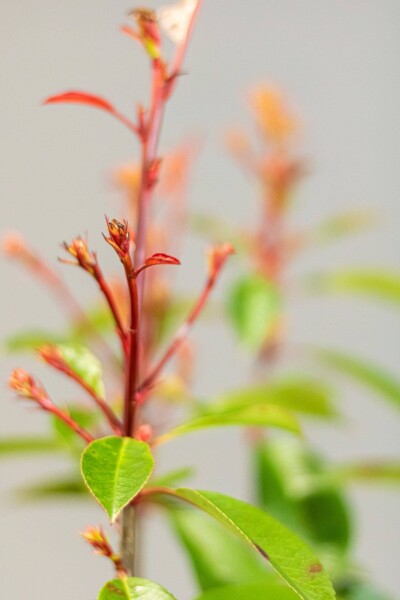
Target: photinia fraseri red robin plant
120,442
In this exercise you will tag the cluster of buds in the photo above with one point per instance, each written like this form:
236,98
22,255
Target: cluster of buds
97,538
120,237
79,250
23,383
26,386
148,32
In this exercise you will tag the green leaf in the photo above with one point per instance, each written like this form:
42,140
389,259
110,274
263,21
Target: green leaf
254,306
29,445
54,489
303,395
379,284
115,469
363,372
263,415
250,591
31,340
217,556
291,557
295,486
85,364
133,588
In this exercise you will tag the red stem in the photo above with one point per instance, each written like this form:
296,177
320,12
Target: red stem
132,364
104,287
46,404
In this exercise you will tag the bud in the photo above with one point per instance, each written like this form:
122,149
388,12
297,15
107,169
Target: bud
52,356
119,237
97,538
79,250
217,257
22,382
14,245
149,31
144,432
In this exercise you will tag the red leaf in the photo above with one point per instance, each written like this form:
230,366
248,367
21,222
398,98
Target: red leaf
81,98
161,259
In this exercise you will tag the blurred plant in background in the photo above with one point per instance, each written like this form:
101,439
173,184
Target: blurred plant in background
293,483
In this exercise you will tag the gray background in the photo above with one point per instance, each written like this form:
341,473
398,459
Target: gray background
339,63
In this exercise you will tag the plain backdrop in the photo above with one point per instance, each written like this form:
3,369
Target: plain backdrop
338,63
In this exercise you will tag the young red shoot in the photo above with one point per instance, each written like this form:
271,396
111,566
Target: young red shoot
97,538
25,385
53,357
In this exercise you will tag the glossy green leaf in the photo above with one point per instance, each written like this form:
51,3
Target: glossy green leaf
299,394
217,556
379,284
295,486
250,591
133,588
253,306
31,340
18,446
262,415
85,364
115,469
365,373
291,557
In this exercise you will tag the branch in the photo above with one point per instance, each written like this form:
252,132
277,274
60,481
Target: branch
218,258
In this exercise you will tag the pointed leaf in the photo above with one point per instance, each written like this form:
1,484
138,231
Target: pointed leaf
250,591
75,97
115,469
291,557
217,556
85,364
161,259
254,307
133,588
303,395
379,284
363,372
257,416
